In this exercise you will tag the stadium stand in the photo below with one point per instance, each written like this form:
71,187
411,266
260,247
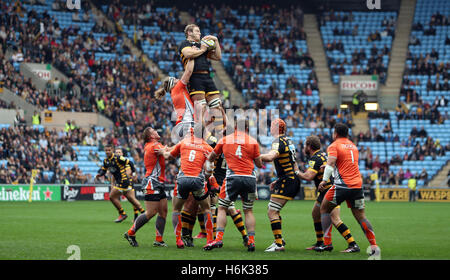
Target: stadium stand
265,53
419,129
357,42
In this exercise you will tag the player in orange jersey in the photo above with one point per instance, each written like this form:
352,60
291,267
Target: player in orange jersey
316,160
241,153
153,184
342,163
193,152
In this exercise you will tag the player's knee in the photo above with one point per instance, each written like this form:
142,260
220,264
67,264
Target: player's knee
149,213
224,203
274,206
247,205
215,103
201,102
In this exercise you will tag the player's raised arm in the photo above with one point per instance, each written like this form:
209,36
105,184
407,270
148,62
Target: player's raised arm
188,70
215,54
190,52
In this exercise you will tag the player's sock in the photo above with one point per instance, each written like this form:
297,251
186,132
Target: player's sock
188,222
251,237
239,223
218,123
368,231
219,233
214,217
209,227
276,230
176,222
327,236
138,223
160,225
201,221
319,231
326,226
121,211
136,212
345,232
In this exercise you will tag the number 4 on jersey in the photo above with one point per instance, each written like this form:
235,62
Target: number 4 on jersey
238,151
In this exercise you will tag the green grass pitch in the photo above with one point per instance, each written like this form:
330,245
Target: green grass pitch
44,231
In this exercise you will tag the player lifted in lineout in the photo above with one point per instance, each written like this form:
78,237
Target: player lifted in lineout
201,86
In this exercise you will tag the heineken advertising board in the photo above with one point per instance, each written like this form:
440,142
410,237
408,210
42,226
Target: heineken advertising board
22,193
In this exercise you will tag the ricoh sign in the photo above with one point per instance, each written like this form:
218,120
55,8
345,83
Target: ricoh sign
359,85
350,84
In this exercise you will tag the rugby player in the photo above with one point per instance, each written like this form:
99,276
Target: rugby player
201,85
191,208
182,103
342,163
155,195
131,174
123,183
193,151
287,186
317,159
241,153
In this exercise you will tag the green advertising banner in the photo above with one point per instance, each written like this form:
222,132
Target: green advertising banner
22,193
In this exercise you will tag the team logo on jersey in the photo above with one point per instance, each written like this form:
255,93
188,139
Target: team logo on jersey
311,163
275,146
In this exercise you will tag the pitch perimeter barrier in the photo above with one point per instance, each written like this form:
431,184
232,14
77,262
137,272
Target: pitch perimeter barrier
75,192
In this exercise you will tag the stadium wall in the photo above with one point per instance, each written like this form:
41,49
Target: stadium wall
28,109
8,115
52,119
74,192
41,74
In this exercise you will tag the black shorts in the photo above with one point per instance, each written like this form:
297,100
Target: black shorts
212,191
154,190
321,195
202,83
286,188
194,185
354,197
239,185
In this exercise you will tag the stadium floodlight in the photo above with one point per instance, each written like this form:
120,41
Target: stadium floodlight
371,106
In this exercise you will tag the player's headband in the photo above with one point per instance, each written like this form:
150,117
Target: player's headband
169,84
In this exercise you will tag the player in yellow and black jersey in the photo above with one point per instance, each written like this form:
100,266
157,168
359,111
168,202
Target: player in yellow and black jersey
120,168
287,186
201,87
317,159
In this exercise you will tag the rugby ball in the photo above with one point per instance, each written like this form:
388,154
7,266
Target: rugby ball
210,44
